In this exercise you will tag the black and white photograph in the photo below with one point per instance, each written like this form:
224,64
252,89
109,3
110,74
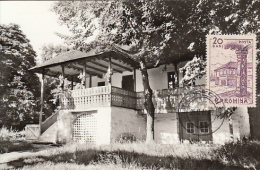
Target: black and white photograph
130,84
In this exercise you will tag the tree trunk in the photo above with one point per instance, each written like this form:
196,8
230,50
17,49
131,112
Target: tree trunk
230,123
148,103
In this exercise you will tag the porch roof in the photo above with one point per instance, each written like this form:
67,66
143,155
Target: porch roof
96,63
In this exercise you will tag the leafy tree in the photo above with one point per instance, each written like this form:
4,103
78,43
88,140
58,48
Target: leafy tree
220,17
49,51
149,29
155,31
18,87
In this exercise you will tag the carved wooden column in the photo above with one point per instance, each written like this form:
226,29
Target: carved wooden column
109,72
90,80
42,99
72,82
63,76
84,74
134,79
241,85
177,75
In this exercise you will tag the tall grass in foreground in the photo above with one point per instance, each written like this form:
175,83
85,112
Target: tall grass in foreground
143,156
12,140
10,134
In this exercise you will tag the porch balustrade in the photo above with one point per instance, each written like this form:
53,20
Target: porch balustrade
164,100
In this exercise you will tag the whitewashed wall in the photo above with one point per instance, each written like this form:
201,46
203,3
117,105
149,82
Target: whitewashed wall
158,79
127,121
166,128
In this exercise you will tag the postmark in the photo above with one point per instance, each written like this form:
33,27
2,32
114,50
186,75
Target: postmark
231,69
197,117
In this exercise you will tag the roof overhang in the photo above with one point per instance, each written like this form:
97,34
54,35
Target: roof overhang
96,63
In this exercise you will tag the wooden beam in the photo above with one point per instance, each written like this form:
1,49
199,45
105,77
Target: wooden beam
103,71
177,73
63,76
109,70
134,79
90,72
42,98
118,65
90,81
102,65
84,74
72,82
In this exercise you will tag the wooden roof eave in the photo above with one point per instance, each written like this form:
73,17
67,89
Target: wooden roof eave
125,59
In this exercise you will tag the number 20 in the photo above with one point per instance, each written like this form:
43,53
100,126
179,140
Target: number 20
216,40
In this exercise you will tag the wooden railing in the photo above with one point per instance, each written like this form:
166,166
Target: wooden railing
82,99
164,100
123,98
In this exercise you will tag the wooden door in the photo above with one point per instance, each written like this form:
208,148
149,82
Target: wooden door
128,83
195,126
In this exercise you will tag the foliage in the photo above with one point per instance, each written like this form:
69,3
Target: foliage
144,156
49,51
194,69
220,17
242,153
18,86
155,32
126,138
10,134
150,30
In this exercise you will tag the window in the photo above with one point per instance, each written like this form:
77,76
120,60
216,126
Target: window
204,127
190,127
171,80
101,83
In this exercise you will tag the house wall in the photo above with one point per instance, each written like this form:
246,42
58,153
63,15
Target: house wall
241,117
220,130
127,121
66,119
166,128
158,79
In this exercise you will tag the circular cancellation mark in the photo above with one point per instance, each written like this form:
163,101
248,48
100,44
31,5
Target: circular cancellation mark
199,114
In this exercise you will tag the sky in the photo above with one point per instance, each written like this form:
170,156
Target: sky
35,19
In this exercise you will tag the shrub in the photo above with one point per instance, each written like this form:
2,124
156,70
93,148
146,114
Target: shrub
126,138
242,154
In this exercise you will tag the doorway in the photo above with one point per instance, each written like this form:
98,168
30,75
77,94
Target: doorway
128,82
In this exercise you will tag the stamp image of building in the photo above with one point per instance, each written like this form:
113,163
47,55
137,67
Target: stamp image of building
226,75
110,102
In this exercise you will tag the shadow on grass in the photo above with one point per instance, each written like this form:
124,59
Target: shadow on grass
126,158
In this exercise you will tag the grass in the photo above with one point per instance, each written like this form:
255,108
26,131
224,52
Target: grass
11,140
144,156
132,155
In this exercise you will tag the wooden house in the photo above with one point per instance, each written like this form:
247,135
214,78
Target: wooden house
110,104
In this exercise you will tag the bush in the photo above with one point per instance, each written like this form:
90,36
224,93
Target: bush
245,154
126,138
10,134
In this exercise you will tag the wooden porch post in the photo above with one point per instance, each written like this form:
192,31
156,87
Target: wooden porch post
63,76
109,71
72,82
84,74
90,80
42,102
134,79
177,74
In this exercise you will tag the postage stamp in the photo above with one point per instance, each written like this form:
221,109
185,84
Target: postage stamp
231,69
